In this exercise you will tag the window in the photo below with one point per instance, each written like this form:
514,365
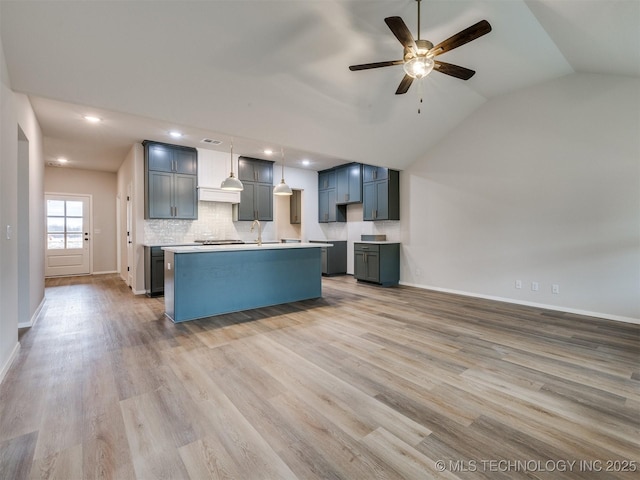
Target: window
64,224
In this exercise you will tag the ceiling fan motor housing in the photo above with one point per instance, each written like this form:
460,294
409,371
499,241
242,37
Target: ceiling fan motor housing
423,46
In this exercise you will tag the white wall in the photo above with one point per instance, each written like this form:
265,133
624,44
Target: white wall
131,172
17,207
539,185
102,186
307,182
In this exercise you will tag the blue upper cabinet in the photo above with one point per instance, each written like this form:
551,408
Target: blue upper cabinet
349,184
326,179
328,211
381,193
255,170
171,181
372,173
377,188
256,200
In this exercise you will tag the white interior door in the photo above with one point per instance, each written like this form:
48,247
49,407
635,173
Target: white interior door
68,230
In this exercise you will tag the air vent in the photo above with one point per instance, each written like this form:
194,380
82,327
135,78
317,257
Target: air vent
211,141
54,164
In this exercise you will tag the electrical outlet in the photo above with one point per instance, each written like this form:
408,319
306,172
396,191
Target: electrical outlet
518,283
535,286
555,289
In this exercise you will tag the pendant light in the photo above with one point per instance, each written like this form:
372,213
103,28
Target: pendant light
282,188
231,182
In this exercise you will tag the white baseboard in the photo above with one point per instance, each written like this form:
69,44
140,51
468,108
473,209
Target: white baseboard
7,365
617,318
138,292
105,272
34,318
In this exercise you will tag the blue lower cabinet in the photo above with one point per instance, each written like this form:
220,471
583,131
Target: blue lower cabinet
199,285
377,263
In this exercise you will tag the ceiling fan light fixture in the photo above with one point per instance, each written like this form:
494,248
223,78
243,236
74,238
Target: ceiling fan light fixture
418,67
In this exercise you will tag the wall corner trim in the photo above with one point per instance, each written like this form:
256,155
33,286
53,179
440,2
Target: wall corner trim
605,316
34,318
7,365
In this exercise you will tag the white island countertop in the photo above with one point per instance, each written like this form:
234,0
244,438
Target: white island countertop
244,247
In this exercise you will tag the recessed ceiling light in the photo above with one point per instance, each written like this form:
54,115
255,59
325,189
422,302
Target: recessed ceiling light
92,119
268,151
62,160
175,134
306,162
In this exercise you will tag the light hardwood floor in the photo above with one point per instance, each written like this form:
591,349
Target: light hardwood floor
365,383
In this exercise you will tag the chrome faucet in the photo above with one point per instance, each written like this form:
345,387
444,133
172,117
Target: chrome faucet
259,239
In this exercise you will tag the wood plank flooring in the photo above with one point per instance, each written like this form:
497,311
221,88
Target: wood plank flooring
365,383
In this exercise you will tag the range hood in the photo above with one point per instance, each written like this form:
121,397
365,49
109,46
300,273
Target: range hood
212,194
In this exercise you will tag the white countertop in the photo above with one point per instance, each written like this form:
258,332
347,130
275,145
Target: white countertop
243,247
181,244
375,242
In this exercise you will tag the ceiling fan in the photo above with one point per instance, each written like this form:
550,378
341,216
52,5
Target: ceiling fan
419,55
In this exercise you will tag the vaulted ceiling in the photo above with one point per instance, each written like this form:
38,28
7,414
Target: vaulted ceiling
272,73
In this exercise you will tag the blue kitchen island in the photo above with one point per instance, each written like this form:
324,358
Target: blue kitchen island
203,281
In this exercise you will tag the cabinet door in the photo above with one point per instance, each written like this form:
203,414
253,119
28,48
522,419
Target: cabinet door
323,206
382,200
369,200
255,170
185,197
159,157
327,179
359,266
245,170
264,202
264,172
185,161
349,184
331,204
295,207
160,200
373,267
342,185
246,208
355,183
371,173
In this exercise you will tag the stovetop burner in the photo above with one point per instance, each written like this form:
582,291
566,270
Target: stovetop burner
219,242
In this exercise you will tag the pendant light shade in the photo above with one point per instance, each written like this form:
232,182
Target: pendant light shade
231,182
282,188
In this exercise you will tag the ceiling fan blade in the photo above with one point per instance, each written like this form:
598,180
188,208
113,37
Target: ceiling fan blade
404,85
400,30
367,66
453,70
465,36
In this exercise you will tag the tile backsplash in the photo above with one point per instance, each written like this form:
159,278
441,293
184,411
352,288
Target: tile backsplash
215,220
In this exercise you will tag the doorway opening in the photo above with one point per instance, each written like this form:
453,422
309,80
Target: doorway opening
68,238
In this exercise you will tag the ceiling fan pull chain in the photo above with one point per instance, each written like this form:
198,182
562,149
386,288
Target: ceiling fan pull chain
419,93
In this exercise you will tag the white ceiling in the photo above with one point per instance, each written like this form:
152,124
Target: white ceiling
271,73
